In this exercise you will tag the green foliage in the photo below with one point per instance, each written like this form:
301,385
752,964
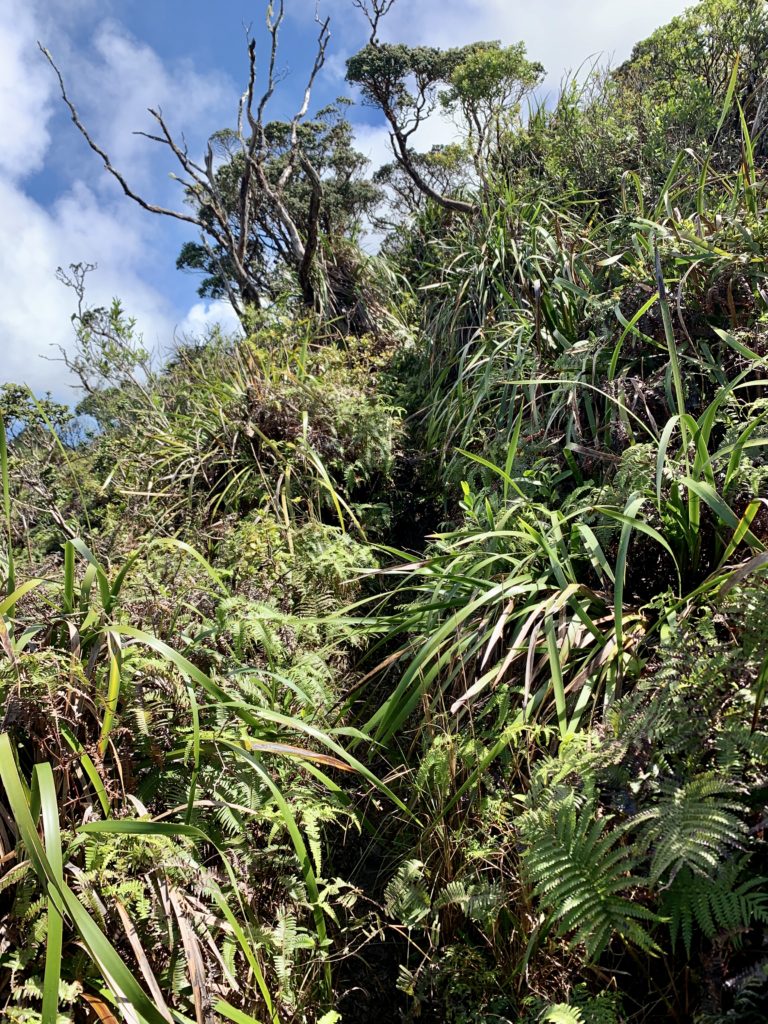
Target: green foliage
692,826
406,897
412,661
561,1013
686,65
713,905
482,84
600,1009
347,197
479,79
22,413
582,872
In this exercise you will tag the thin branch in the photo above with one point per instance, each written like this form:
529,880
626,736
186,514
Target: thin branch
236,304
255,147
151,207
182,155
273,24
373,13
322,45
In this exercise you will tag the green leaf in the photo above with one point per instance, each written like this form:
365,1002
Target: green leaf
55,930
10,583
118,978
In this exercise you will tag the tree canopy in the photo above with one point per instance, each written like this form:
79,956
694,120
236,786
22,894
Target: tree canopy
482,83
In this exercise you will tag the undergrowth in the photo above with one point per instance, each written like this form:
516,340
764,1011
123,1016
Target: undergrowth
419,673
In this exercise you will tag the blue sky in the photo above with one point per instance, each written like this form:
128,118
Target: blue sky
58,206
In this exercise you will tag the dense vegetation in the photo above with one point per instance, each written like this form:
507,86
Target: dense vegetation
406,658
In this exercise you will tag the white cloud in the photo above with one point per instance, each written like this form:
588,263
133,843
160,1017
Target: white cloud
372,140
123,80
205,315
25,94
562,34
35,308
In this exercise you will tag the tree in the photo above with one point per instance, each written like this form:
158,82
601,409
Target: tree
443,167
333,213
267,194
482,84
487,86
24,414
681,73
107,358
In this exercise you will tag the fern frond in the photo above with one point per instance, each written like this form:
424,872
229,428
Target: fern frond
713,906
581,871
692,826
480,902
406,897
563,1013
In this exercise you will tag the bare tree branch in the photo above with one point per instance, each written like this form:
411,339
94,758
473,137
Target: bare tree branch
373,13
322,45
151,207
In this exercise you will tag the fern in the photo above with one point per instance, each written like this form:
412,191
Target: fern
406,897
563,1013
480,902
713,906
581,872
739,747
692,826
288,939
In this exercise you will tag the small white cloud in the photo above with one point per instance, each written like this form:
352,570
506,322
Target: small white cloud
205,315
335,68
372,141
